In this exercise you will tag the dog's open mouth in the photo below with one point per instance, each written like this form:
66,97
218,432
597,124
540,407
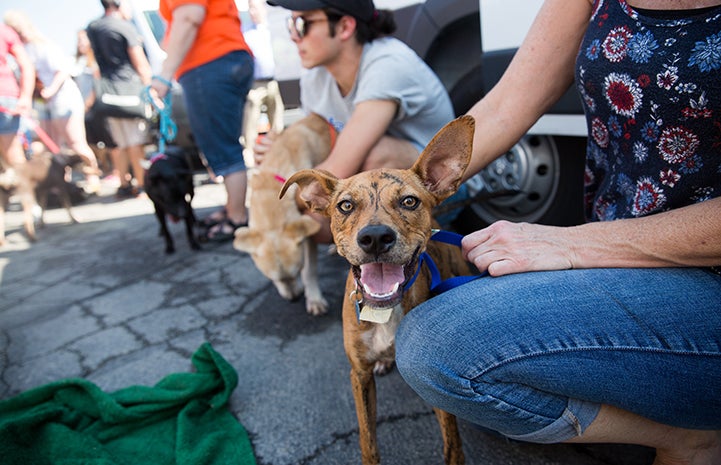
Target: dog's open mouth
382,284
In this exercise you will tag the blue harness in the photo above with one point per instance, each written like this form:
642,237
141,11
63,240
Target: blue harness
438,286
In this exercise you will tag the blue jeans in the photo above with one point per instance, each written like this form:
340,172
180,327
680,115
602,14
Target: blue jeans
534,355
214,95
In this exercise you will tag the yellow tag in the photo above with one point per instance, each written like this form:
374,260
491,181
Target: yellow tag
376,315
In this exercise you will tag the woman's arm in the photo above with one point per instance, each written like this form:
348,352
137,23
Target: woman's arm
27,78
539,74
368,123
688,236
183,29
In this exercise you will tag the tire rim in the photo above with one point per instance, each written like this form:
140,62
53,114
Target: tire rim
531,169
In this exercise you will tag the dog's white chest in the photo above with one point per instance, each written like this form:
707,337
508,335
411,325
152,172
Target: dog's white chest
381,337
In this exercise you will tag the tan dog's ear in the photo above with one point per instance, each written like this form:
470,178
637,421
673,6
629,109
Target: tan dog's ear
247,240
445,159
303,227
316,187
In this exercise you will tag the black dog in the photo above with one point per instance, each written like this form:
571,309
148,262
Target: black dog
169,184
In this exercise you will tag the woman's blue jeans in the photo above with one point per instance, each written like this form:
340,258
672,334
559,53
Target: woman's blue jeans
534,355
214,95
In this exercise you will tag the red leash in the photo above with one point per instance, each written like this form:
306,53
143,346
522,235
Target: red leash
42,135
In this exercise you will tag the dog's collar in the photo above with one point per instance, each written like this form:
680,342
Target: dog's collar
158,156
439,286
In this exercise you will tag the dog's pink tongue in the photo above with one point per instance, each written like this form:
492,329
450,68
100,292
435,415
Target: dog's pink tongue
381,278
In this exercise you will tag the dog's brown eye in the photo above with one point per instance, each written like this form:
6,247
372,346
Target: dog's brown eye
345,206
410,202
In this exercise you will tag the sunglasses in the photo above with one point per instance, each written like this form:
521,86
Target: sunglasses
298,26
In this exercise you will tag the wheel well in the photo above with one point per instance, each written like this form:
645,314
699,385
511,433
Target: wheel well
455,56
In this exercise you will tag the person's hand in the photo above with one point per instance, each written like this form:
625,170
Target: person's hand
24,106
506,248
262,147
46,94
157,93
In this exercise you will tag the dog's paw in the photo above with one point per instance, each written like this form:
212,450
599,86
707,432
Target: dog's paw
316,307
382,368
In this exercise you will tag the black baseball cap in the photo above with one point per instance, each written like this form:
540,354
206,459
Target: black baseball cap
360,9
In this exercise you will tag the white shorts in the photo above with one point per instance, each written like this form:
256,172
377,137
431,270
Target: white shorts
128,132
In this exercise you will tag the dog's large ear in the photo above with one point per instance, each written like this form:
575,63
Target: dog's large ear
444,161
247,240
316,187
303,227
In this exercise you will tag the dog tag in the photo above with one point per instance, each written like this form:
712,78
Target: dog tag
376,315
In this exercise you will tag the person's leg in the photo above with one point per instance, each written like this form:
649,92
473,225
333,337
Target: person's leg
136,154
674,446
216,128
536,355
236,185
121,157
11,149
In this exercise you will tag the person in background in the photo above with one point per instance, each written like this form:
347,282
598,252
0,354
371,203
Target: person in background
383,100
609,331
86,73
211,60
119,52
59,105
265,91
15,96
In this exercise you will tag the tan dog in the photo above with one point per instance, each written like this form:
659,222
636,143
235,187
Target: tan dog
278,236
381,223
32,182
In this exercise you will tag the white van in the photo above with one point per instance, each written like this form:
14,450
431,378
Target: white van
468,43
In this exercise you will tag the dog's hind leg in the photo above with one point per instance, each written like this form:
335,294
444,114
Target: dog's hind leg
169,245
315,303
452,447
190,227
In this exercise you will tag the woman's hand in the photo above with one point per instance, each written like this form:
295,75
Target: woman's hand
505,248
262,147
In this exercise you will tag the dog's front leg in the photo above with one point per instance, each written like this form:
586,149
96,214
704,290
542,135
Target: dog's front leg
452,448
364,394
27,200
315,303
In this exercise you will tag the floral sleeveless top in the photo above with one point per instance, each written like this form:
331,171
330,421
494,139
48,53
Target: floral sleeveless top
652,95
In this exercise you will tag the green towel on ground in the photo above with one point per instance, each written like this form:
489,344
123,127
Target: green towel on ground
183,420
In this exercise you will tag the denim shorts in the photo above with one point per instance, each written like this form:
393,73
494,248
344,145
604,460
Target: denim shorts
9,124
534,355
215,95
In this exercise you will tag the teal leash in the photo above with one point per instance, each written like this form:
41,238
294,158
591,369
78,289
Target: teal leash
166,126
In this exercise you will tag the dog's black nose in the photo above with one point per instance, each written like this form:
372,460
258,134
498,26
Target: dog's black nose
376,239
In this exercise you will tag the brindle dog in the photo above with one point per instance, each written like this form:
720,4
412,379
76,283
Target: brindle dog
381,222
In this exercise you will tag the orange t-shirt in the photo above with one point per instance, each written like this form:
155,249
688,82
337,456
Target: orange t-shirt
218,35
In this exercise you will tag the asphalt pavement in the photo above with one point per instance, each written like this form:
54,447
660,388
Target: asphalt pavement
102,301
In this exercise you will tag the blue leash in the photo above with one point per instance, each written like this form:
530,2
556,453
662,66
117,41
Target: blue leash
167,127
438,286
